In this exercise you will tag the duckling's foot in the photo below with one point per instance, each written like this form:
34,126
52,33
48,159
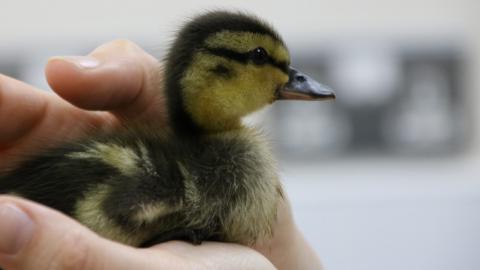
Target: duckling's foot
195,237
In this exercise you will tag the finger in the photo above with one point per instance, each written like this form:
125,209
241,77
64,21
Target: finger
92,84
217,256
32,119
117,76
35,237
284,235
27,112
13,95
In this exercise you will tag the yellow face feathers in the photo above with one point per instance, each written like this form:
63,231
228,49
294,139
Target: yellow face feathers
247,41
221,87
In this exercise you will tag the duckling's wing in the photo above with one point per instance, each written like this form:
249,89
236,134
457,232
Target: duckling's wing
113,186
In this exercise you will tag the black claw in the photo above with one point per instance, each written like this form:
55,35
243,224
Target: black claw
195,237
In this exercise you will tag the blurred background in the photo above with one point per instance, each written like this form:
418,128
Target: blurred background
385,177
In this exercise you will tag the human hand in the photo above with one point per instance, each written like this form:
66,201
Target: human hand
117,83
35,237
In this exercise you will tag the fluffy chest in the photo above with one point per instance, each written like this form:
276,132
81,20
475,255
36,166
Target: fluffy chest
233,179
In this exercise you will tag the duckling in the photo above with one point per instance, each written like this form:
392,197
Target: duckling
207,177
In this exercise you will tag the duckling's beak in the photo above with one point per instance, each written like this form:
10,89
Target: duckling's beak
303,87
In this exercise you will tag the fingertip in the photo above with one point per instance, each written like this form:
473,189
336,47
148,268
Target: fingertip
93,84
68,80
81,62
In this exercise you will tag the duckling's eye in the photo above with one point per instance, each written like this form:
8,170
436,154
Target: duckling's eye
259,56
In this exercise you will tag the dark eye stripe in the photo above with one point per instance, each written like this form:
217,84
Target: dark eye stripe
230,54
244,58
283,66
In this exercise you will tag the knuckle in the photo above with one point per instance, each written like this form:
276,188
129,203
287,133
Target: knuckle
116,47
73,252
124,44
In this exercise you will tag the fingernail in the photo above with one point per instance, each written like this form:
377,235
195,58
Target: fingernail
84,62
16,229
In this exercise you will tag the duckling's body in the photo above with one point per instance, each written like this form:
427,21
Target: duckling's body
206,176
137,187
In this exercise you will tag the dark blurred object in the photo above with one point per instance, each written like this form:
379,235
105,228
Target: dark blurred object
391,99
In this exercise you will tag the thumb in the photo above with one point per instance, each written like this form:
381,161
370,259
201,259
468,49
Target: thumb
117,76
35,237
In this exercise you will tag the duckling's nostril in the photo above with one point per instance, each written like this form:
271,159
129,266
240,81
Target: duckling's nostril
300,78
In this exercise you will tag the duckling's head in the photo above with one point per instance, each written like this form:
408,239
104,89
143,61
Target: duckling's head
223,66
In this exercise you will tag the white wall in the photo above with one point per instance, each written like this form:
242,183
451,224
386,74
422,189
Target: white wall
402,214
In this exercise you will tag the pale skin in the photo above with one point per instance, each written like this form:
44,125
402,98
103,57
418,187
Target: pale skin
115,83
